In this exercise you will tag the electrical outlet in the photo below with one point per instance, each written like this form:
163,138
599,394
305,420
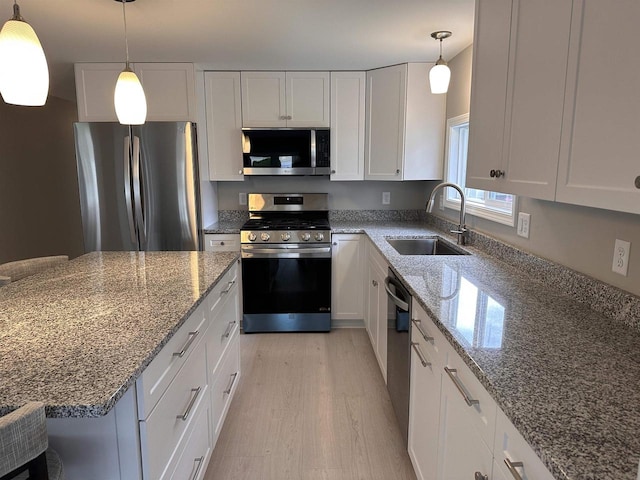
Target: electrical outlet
386,198
524,221
621,257
242,198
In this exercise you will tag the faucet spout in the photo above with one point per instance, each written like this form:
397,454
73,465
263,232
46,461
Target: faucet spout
462,228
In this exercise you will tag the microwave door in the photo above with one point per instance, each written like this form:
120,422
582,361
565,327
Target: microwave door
277,152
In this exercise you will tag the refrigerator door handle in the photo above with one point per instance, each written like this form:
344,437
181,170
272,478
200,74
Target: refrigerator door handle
127,187
137,193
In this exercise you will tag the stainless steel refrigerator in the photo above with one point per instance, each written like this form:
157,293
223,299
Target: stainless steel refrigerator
138,186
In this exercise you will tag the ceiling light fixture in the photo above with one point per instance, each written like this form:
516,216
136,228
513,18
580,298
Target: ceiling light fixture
129,98
24,74
440,74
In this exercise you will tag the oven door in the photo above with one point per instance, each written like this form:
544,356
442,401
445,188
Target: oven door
286,288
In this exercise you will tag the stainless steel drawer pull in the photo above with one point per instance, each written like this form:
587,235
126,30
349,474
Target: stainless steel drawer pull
198,467
422,358
233,380
480,476
187,412
227,332
425,335
229,286
456,381
512,468
192,337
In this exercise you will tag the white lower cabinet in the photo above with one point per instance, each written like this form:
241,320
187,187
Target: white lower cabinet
192,463
456,430
222,242
376,311
347,272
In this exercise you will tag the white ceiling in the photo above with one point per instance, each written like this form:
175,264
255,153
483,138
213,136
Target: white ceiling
245,34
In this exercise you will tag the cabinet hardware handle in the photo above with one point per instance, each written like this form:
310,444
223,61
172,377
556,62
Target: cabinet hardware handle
480,476
289,117
240,172
423,360
335,244
233,380
456,381
397,171
226,290
199,462
187,412
512,468
333,171
192,337
227,332
496,173
374,283
283,117
637,181
425,335
221,244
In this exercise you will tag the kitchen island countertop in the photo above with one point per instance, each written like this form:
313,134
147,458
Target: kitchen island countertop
565,375
77,336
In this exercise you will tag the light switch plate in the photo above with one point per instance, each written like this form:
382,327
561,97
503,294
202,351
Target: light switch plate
621,257
242,198
386,198
524,221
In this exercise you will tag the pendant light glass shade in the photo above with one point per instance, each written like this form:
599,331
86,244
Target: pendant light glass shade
439,77
24,74
129,99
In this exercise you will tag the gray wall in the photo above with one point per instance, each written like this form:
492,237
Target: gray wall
342,195
580,238
39,205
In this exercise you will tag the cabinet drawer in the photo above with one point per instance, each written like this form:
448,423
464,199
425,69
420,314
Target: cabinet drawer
224,383
435,346
222,291
158,375
222,329
510,445
172,417
222,243
482,411
192,462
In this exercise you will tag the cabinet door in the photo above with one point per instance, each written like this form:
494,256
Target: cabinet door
488,91
263,99
170,89
95,86
224,125
599,161
382,314
347,271
462,450
307,101
386,97
373,289
347,125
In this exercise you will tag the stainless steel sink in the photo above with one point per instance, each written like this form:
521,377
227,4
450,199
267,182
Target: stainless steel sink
425,246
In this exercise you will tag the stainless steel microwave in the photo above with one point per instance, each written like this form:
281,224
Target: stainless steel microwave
285,151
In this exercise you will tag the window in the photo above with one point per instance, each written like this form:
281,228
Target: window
499,207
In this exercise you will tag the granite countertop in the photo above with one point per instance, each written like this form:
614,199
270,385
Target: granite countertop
228,226
565,375
77,336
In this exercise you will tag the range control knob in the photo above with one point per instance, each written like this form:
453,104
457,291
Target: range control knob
286,236
252,237
319,236
305,236
265,237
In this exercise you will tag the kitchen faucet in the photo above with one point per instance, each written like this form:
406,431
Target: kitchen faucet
462,228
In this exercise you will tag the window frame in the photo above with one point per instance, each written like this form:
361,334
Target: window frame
450,198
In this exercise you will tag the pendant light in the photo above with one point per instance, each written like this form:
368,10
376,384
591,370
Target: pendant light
24,74
129,98
440,74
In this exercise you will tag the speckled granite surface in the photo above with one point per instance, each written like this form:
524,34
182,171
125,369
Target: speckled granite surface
566,376
77,336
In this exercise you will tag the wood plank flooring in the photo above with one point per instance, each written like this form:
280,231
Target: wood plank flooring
310,406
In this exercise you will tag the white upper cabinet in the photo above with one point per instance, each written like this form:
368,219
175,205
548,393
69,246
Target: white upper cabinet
285,99
168,87
517,96
404,124
224,125
600,156
347,125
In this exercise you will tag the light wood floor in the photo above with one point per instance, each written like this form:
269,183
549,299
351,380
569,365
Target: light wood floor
310,406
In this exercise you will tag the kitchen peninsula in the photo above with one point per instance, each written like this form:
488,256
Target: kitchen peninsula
79,336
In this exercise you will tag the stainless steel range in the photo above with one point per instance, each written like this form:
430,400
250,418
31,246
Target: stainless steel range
286,263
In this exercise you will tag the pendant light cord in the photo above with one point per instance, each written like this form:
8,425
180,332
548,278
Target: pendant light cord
126,42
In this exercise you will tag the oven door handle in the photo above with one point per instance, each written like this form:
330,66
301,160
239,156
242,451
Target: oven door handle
317,252
397,301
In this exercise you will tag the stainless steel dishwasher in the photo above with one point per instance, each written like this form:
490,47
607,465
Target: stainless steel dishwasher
398,349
